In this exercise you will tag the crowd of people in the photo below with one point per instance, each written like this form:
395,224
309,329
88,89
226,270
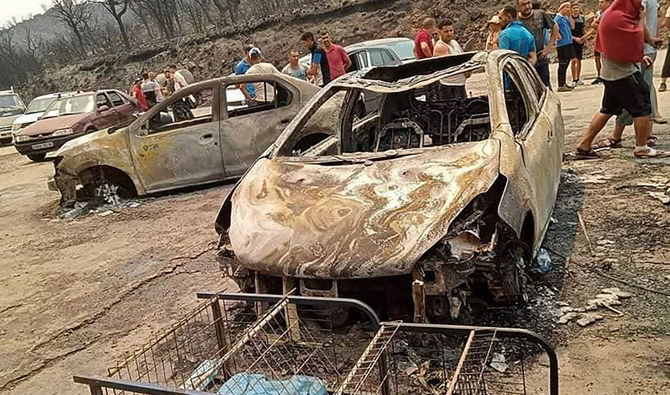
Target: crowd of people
624,34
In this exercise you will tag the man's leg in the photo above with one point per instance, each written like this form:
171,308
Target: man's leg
573,70
543,71
642,129
597,124
599,66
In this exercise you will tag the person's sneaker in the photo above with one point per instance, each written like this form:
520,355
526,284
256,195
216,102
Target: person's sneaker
565,88
578,83
662,87
598,80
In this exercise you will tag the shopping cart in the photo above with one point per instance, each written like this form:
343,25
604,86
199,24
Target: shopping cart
252,344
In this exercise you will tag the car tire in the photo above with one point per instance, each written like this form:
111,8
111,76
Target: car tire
37,157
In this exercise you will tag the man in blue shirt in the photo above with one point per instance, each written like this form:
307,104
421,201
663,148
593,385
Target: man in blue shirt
515,36
564,46
242,67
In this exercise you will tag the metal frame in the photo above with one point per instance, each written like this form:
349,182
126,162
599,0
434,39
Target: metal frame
98,385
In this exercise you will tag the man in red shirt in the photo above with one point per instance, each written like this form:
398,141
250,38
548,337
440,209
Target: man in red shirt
137,93
338,60
423,42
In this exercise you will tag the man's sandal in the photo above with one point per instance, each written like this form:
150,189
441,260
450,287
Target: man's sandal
586,154
651,153
609,142
652,141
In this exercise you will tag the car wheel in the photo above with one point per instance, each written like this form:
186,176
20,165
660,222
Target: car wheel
37,157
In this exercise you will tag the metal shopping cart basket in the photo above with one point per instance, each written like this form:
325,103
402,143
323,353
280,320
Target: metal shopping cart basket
253,344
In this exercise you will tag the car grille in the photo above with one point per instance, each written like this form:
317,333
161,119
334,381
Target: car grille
5,128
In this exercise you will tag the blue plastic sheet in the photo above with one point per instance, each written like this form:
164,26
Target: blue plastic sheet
258,384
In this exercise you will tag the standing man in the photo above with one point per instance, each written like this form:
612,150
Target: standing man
602,7
564,46
666,64
536,21
423,42
620,41
243,66
515,36
318,62
294,68
578,40
450,87
136,92
150,89
265,92
338,60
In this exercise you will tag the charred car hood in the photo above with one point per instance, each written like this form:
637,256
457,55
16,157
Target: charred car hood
49,125
371,219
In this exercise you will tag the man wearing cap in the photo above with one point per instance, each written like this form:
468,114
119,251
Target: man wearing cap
494,33
243,66
264,91
515,36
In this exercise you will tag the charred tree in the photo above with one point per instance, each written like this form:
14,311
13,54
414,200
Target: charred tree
118,9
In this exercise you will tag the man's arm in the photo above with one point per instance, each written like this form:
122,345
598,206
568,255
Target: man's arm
648,37
532,58
441,50
552,42
345,57
426,49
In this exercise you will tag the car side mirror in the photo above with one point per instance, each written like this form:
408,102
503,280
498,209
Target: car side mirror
103,107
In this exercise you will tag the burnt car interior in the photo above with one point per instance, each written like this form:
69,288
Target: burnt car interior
356,120
190,110
274,95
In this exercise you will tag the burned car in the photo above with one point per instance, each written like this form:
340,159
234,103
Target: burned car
428,200
212,137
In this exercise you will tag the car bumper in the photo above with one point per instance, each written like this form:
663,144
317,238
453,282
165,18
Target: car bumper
5,137
44,145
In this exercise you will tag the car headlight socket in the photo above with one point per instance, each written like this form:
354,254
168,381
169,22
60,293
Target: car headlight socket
63,132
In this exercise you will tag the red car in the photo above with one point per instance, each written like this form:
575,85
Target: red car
70,117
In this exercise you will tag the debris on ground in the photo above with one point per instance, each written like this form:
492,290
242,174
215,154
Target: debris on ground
543,262
498,362
104,203
662,196
588,319
586,316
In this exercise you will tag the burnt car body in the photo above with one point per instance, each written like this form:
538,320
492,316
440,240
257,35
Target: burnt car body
73,116
196,136
423,201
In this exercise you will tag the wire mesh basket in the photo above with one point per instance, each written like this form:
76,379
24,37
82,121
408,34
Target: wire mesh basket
249,344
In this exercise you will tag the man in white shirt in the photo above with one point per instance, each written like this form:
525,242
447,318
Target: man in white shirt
265,92
450,87
294,68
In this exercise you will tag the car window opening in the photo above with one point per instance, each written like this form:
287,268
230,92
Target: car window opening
189,110
269,95
445,112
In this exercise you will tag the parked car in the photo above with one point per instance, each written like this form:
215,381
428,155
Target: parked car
420,203
381,52
35,110
11,107
164,150
73,116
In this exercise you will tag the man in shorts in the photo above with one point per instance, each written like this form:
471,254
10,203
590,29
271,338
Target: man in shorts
622,39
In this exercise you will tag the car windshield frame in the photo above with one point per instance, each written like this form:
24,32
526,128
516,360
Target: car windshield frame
403,48
31,110
17,101
59,103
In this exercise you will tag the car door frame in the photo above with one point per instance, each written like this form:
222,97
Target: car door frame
235,168
137,133
103,121
519,196
126,105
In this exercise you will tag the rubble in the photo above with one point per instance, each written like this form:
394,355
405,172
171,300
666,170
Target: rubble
585,315
498,362
588,319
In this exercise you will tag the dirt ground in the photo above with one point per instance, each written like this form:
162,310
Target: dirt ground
75,295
